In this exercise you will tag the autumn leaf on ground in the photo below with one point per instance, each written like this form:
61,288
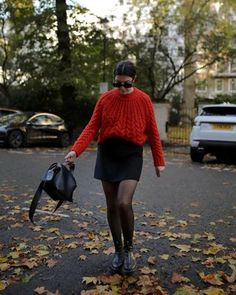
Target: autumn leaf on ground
152,260
51,263
109,251
186,290
213,278
89,280
40,290
232,278
110,279
214,291
146,270
178,278
83,257
182,248
51,293
29,263
3,285
164,256
213,249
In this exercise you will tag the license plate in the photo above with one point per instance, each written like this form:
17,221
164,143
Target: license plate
223,126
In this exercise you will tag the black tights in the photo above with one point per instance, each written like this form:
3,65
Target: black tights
120,214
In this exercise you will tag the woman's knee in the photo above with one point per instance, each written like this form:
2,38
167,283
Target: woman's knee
124,205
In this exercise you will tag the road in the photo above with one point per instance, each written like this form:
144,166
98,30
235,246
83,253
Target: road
184,229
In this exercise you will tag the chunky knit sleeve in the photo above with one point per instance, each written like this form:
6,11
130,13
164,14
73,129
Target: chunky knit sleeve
90,131
153,136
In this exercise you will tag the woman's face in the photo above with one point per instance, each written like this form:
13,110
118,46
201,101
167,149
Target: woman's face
124,84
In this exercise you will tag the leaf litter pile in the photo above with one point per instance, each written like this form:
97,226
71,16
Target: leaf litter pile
173,256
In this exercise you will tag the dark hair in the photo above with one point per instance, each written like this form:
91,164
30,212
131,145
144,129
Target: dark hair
126,68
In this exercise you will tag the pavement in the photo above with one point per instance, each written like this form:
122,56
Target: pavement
185,237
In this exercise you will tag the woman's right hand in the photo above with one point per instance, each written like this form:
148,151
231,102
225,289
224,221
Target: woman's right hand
70,158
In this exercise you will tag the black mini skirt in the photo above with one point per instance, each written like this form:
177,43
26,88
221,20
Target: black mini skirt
117,160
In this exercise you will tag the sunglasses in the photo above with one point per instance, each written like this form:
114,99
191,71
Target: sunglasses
126,84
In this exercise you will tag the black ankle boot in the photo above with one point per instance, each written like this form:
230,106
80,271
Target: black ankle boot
118,259
129,259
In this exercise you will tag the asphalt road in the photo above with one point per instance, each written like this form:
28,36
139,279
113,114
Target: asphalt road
187,215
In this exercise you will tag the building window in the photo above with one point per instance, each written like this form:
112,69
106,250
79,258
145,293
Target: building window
202,86
232,86
222,67
219,85
233,66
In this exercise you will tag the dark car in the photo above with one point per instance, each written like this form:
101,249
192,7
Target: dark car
23,128
6,111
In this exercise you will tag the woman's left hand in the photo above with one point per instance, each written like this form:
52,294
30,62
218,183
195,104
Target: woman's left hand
159,169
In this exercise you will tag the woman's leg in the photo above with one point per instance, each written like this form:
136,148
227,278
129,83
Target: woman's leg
125,197
113,217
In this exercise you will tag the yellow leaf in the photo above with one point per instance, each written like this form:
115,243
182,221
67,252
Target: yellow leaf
40,290
194,215
4,266
213,249
89,280
182,248
73,245
3,285
164,256
83,257
214,291
146,270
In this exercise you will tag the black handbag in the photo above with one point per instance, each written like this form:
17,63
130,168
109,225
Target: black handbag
59,183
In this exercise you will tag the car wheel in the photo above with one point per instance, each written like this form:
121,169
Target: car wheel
195,155
64,140
15,139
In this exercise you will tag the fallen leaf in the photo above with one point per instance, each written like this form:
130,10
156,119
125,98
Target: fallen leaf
232,278
3,285
83,257
182,248
213,249
146,270
152,260
186,290
89,280
178,278
51,263
213,278
164,256
40,290
214,291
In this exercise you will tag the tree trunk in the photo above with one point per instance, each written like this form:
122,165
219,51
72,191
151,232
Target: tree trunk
67,88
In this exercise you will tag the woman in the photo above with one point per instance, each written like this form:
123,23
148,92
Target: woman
124,119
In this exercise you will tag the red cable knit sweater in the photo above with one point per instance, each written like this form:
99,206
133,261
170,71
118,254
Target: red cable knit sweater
128,116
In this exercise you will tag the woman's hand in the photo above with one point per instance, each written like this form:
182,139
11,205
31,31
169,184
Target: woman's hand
70,158
159,169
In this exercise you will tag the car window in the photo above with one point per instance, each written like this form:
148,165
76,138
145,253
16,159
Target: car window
55,119
45,120
218,111
13,118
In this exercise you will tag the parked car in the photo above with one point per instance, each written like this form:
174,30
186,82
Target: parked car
214,132
23,128
6,111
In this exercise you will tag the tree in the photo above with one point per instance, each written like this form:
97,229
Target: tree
178,40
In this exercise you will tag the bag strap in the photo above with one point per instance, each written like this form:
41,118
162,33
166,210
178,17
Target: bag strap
58,205
35,200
